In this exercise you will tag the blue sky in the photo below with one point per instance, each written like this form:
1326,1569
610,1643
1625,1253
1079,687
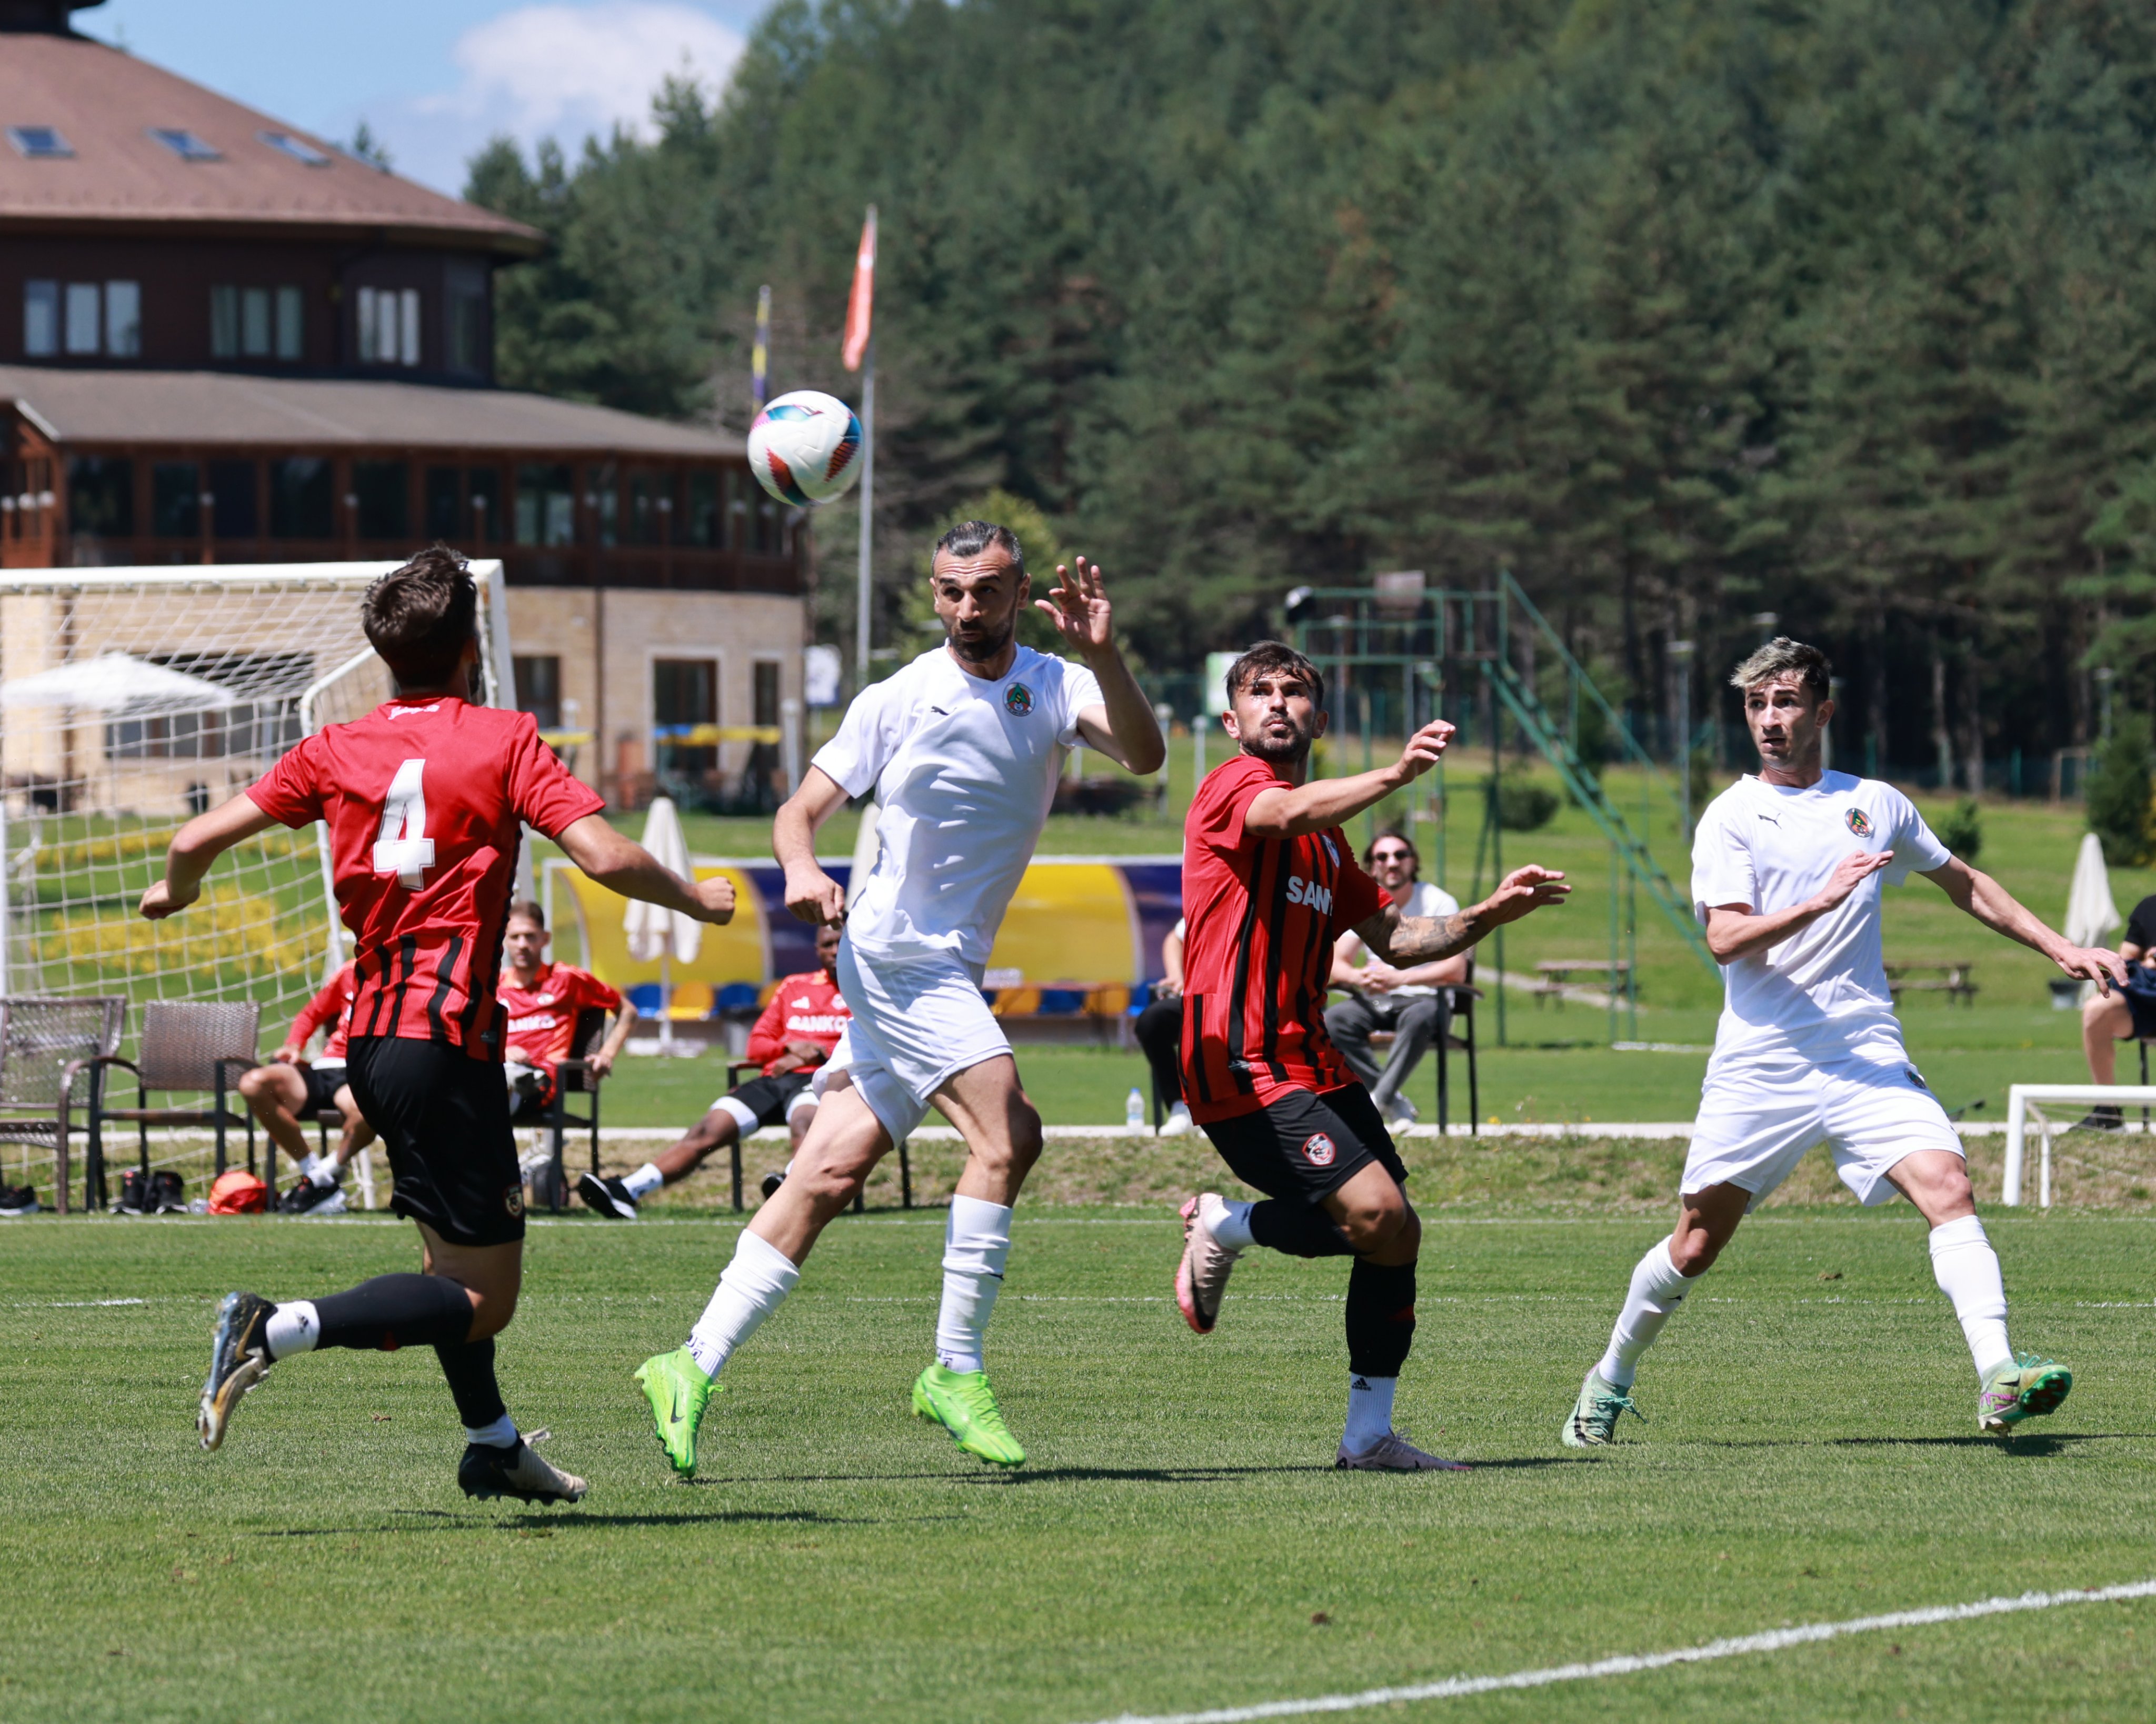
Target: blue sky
434,79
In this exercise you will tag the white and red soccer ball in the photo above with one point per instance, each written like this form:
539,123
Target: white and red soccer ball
805,448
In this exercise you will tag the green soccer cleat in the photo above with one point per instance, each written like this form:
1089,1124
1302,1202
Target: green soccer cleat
963,1405
1593,1423
676,1386
2028,1388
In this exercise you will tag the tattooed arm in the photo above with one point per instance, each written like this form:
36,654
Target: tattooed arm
1401,940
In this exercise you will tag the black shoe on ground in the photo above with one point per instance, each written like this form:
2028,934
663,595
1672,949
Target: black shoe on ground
487,1472
609,1197
17,1200
239,1359
772,1182
309,1198
2102,1119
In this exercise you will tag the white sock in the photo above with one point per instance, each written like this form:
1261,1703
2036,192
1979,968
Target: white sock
1657,1289
754,1287
500,1434
293,1328
1369,1411
1967,1272
311,1165
975,1242
1229,1223
647,1178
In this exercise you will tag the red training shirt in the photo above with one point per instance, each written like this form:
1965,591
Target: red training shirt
332,1006
542,1020
1261,915
807,1008
423,801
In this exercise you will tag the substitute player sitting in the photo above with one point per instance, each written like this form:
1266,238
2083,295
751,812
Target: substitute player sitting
426,798
962,747
1269,882
791,1039
290,1088
1787,872
543,1002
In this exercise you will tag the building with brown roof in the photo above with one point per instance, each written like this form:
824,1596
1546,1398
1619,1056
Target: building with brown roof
222,339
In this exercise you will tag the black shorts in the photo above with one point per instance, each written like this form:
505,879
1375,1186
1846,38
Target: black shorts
2140,996
323,1082
444,1117
768,1098
1304,1147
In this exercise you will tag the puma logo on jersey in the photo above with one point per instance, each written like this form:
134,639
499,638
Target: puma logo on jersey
1309,894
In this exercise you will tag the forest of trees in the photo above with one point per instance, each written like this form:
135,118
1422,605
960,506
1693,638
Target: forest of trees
1684,310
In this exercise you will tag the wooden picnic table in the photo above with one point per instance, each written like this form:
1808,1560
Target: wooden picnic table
1956,980
1556,974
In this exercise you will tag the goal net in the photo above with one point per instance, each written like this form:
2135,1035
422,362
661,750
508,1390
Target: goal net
131,698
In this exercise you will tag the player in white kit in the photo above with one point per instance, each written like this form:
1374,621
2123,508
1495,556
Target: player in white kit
1787,869
962,748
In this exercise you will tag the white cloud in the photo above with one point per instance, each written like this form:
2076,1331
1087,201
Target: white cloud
545,70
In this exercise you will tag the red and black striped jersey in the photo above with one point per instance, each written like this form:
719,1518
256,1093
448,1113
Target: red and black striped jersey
1262,915
425,801
332,1006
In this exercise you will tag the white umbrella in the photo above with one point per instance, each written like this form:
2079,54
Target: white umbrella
116,682
665,935
2091,915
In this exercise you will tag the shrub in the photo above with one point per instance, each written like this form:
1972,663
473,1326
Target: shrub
2118,793
1522,804
1962,829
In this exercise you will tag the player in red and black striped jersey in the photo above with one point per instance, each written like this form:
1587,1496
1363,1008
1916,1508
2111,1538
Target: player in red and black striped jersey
1269,883
425,800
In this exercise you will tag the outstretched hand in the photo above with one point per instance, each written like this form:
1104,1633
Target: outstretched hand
1424,749
2094,963
1078,606
1523,892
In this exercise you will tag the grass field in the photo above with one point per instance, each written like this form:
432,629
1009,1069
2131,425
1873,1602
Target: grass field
1177,1540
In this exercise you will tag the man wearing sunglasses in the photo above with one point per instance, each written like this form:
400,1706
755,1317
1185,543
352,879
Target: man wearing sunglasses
1411,1003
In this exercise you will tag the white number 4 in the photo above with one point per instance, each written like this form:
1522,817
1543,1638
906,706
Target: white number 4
403,847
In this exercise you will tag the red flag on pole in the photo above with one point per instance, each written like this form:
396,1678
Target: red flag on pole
860,307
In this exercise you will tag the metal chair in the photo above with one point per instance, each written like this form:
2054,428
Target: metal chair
46,1047
574,1076
734,1069
187,1045
1462,995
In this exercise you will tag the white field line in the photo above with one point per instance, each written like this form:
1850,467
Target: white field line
1632,1663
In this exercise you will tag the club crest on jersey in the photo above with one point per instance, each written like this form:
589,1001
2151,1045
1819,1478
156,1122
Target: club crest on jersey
1858,824
1331,853
1018,699
1319,1150
512,1200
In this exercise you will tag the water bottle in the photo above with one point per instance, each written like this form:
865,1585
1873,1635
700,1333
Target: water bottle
1134,1109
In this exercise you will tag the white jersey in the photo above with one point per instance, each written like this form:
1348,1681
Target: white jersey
964,770
1424,900
1821,993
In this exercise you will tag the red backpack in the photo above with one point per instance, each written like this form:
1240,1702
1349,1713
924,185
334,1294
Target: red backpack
236,1191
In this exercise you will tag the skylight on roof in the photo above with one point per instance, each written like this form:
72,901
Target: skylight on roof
299,149
39,143
184,144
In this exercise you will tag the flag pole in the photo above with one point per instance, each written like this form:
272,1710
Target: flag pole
868,515
759,378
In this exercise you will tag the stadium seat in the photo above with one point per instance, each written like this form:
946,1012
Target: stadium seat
574,1076
46,1045
186,1045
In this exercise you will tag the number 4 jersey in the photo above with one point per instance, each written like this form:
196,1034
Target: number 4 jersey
425,802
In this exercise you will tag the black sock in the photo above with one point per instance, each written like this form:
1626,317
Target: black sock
1381,1318
391,1311
469,1366
1300,1229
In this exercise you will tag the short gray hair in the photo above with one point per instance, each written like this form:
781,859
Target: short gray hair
1782,657
970,538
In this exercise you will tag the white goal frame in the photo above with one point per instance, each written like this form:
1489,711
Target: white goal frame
2026,1102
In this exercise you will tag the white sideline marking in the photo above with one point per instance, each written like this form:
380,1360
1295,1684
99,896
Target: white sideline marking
1631,1664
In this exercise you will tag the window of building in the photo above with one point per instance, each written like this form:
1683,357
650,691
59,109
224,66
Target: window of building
703,525
740,523
382,488
101,496
234,513
467,320
85,305
684,693
650,503
224,322
539,689
254,322
603,499
291,324
546,504
175,499
40,143
301,498
483,494
299,149
767,691
442,502
41,318
185,143
388,326
123,318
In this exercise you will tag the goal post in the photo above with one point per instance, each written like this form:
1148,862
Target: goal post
133,698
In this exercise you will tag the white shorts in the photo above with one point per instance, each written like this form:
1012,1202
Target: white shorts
914,1024
1757,1123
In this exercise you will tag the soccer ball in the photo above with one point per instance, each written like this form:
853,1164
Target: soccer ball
805,448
